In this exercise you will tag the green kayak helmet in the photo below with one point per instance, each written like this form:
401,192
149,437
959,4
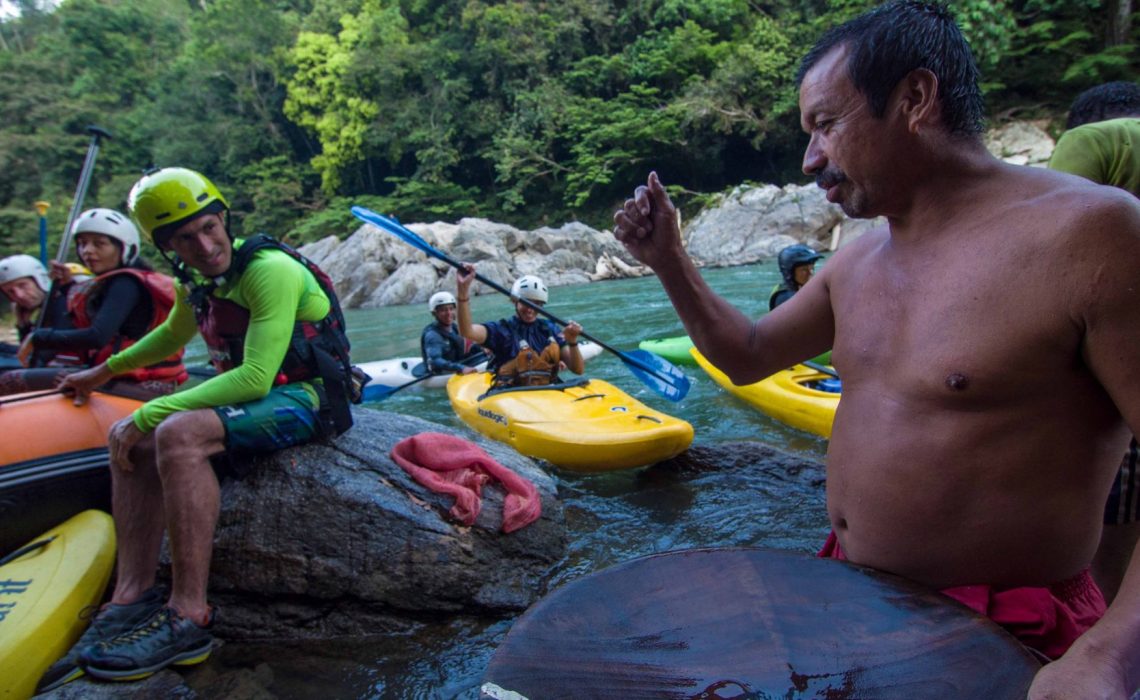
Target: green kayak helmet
165,199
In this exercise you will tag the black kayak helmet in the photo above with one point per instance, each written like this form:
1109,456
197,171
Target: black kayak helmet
791,257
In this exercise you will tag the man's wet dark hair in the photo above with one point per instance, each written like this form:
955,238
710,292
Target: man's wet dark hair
890,41
1108,101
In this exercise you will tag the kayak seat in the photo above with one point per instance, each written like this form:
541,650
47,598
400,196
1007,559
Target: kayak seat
560,386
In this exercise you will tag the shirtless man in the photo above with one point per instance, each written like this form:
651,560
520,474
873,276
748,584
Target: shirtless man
986,339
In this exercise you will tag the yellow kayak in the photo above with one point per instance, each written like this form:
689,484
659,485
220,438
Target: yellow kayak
42,593
785,396
587,425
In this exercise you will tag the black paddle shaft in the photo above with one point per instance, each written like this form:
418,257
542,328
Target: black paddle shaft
97,133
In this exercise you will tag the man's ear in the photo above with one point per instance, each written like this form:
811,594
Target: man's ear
915,99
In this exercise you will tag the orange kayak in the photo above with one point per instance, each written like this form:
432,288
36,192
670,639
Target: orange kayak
53,460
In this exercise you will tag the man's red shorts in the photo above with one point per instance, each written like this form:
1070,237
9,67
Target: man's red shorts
1048,618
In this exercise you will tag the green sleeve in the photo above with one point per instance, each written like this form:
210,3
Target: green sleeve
1079,152
162,342
277,291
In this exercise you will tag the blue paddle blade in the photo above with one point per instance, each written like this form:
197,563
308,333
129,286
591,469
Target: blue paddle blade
393,226
657,373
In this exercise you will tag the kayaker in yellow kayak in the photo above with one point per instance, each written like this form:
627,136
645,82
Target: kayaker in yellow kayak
527,350
986,337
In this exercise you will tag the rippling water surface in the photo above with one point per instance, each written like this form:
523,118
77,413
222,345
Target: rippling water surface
611,517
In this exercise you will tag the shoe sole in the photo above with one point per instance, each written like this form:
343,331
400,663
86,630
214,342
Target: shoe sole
75,672
186,658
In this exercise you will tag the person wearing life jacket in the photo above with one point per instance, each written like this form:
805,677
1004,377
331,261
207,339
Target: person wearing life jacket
25,283
797,265
526,350
443,349
123,302
275,332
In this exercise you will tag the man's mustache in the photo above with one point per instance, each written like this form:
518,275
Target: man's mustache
830,177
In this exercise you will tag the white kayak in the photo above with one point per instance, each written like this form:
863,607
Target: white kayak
399,371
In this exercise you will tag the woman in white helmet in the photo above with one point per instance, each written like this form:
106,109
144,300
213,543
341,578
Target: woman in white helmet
122,303
527,349
443,349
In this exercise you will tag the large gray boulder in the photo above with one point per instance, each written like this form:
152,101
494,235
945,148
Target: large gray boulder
336,539
374,268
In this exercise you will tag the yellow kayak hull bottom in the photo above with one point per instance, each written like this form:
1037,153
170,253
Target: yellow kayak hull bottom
592,427
784,396
43,592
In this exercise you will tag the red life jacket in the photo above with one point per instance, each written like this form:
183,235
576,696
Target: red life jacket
317,349
82,307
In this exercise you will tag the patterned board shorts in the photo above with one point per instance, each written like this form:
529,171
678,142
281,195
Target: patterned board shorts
287,416
1123,501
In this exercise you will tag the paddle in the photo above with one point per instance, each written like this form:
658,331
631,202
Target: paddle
76,208
820,368
34,395
653,370
379,392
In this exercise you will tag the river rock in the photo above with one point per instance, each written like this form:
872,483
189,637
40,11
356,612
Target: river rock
164,685
374,268
336,539
1021,143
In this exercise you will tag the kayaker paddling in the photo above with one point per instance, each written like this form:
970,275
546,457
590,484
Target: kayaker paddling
526,350
991,491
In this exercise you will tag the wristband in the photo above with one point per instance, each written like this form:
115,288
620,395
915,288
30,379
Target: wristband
573,345
463,298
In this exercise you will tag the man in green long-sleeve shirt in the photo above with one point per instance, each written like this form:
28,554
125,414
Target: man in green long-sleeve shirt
277,386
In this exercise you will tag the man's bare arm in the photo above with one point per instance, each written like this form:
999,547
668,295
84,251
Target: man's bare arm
1105,661
746,351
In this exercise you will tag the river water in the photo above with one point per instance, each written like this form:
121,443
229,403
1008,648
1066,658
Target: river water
611,517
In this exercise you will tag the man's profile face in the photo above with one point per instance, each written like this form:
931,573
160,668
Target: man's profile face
23,292
844,153
204,245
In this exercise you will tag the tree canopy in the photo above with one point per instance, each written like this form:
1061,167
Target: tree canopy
524,111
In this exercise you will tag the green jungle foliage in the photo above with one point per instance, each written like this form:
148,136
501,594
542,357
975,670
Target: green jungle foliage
522,111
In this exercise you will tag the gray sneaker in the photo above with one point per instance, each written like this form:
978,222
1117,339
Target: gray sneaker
106,622
165,639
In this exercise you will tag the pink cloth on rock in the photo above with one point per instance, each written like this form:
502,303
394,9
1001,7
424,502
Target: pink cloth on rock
451,465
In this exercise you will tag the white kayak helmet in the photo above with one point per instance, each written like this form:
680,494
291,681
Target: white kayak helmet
440,299
111,224
529,287
15,267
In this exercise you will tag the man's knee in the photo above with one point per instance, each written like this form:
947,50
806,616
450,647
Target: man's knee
194,431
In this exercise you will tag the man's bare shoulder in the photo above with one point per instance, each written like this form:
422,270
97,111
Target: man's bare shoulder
856,251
